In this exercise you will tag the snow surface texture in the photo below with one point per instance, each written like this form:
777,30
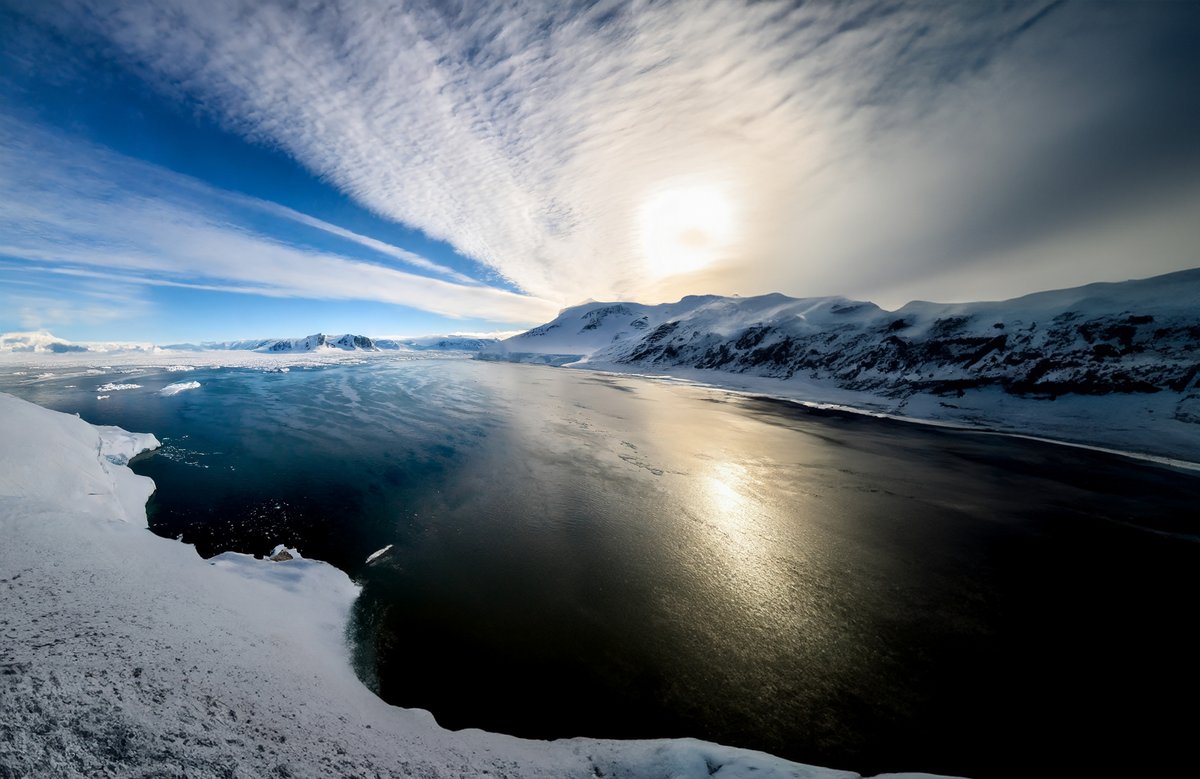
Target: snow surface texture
1116,365
127,654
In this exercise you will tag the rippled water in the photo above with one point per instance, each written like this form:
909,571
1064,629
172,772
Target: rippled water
580,554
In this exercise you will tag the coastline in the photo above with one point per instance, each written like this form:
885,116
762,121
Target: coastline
132,652
1185,452
1139,426
272,689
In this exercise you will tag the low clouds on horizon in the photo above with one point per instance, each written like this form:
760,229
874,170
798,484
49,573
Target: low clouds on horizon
884,151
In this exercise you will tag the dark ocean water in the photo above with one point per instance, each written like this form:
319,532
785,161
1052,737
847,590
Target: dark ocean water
578,554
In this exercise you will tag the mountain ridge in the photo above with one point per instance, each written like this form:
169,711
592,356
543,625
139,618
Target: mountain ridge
1115,365
1135,336
44,342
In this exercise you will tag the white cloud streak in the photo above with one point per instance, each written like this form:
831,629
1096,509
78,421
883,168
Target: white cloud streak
374,244
76,209
526,138
864,146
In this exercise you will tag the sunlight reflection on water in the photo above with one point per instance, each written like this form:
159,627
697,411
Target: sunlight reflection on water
576,553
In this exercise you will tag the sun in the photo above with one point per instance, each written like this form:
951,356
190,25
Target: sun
684,229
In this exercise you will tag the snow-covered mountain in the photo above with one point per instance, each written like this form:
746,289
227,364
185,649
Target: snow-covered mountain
348,343
43,342
438,343
1131,337
309,343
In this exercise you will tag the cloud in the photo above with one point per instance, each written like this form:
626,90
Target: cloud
77,210
864,145
382,247
35,303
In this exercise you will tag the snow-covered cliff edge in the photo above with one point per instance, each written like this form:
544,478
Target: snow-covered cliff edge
127,654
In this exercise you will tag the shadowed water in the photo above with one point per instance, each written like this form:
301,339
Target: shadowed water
580,554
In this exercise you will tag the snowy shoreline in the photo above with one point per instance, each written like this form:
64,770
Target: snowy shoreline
1143,427
128,651
809,395
1109,365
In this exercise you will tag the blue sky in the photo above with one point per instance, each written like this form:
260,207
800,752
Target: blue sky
176,171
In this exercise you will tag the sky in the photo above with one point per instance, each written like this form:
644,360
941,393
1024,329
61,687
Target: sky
173,170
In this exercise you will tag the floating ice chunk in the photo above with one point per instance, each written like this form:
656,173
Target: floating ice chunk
377,554
112,387
178,387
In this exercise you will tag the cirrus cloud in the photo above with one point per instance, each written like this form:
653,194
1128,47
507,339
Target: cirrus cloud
864,145
74,209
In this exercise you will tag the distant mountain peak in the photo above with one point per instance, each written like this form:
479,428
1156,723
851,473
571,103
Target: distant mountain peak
349,342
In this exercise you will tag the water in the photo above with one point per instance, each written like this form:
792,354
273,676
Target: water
577,554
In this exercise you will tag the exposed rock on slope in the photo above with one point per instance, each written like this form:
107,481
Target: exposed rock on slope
1138,336
310,343
1125,340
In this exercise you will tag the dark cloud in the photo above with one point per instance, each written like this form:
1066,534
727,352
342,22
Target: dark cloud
1105,120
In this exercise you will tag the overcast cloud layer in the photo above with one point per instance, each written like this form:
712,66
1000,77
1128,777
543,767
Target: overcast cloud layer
892,152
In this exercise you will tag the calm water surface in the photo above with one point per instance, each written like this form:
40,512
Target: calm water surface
579,554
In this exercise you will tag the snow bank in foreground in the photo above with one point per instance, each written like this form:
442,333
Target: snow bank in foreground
127,653
178,387
64,463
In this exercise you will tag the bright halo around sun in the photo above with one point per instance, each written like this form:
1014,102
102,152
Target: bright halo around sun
685,229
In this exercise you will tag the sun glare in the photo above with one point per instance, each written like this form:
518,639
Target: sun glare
684,229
